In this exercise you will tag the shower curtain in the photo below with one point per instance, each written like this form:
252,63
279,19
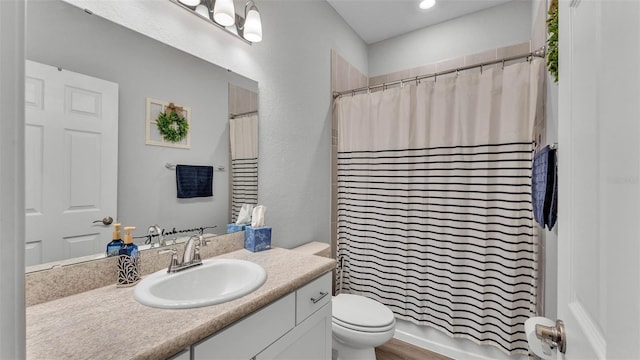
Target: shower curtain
434,201
243,133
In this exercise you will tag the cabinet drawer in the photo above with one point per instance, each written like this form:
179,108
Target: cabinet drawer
312,297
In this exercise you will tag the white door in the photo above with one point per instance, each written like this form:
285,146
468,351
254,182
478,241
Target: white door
71,161
599,186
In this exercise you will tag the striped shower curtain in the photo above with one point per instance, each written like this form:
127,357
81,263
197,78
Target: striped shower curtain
243,133
434,201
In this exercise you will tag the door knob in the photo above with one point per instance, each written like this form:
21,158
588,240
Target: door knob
105,221
553,335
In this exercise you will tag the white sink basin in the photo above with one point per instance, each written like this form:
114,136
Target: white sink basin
214,282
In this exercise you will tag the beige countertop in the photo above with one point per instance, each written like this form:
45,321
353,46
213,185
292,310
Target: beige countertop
108,323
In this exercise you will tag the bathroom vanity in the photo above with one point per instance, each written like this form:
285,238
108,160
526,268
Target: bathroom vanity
289,316
297,326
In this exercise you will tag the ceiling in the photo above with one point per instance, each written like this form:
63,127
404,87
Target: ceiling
377,20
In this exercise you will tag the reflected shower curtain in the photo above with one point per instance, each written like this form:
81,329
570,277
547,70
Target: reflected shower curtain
434,201
243,133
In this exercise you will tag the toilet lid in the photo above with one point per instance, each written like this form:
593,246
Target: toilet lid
361,312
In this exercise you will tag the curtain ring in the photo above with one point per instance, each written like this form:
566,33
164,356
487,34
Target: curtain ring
401,83
481,66
417,81
457,72
502,64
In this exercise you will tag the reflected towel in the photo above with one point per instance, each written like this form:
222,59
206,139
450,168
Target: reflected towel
544,188
194,181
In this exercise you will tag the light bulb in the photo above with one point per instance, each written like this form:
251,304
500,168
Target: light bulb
190,2
253,26
203,11
224,13
427,4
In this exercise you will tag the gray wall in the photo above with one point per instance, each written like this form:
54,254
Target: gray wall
63,35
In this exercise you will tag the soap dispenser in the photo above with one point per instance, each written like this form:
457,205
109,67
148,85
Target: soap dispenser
113,248
129,248
128,266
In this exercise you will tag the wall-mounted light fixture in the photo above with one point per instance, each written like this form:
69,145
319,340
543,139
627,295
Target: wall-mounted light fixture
222,13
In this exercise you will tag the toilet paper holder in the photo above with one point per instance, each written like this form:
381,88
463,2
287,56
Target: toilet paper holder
554,336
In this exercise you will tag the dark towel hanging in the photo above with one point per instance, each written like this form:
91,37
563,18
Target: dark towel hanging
194,181
544,187
551,199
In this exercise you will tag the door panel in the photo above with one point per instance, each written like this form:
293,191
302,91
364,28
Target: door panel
579,255
599,171
71,163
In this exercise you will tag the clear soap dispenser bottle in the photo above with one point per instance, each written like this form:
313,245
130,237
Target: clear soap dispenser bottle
113,248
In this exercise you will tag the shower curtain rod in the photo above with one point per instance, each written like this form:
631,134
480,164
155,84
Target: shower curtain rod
537,53
233,116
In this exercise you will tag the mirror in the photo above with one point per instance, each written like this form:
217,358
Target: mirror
73,41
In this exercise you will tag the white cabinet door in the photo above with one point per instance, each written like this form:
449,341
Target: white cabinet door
250,335
71,163
310,340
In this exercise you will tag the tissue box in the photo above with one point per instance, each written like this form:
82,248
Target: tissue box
257,239
231,228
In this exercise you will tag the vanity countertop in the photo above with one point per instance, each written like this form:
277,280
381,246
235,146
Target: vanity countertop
108,323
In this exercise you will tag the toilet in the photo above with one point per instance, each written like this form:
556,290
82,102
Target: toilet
359,324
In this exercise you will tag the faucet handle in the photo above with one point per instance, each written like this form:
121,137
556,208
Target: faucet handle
204,242
174,258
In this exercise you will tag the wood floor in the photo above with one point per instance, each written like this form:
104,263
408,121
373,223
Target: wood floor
400,350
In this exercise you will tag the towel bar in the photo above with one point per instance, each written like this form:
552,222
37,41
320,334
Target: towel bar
171,166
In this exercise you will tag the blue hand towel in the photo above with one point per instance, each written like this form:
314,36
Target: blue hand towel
194,181
539,184
551,207
544,188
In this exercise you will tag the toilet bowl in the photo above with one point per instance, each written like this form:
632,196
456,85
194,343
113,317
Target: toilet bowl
359,324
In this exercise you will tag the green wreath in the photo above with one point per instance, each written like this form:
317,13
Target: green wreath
552,41
173,127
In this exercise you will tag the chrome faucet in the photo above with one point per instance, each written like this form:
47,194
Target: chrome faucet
153,231
190,256
191,252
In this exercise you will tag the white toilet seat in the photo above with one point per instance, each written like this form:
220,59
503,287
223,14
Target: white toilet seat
365,329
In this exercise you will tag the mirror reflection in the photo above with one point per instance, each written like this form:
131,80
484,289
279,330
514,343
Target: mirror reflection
94,90
243,138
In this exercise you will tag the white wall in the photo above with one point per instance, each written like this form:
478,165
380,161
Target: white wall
495,27
292,66
12,316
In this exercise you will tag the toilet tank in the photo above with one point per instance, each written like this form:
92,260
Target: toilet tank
314,248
